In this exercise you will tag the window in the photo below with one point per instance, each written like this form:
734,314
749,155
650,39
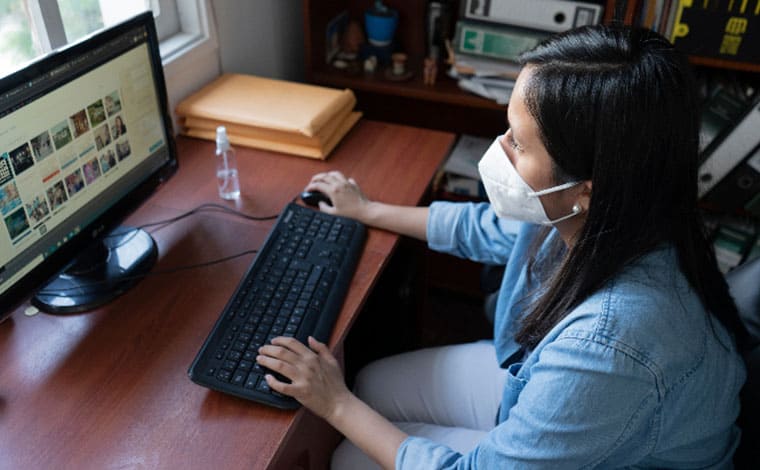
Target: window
16,45
29,28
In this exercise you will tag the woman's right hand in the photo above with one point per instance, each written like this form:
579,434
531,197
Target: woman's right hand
346,197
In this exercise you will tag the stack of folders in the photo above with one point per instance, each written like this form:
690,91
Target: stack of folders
277,115
490,36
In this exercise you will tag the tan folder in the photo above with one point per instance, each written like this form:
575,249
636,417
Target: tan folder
285,146
267,103
320,139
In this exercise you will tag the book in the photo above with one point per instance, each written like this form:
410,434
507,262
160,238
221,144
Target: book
499,42
545,15
727,30
267,103
632,10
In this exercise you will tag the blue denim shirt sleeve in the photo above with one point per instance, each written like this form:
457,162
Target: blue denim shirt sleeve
472,231
548,426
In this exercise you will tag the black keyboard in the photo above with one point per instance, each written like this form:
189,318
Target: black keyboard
295,287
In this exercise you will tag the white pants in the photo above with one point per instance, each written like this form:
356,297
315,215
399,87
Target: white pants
449,394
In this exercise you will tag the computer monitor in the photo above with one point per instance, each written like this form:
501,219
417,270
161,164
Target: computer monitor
85,137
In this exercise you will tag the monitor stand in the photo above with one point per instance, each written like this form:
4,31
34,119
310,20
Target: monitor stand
103,271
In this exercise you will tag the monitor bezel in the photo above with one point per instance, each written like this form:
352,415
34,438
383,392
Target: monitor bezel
24,288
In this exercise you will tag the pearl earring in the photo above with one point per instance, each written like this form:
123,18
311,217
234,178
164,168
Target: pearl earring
577,208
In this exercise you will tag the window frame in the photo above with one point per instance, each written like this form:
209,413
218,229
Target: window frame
180,24
189,51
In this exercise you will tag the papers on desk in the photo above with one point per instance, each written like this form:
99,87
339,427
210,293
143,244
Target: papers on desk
466,155
460,173
295,118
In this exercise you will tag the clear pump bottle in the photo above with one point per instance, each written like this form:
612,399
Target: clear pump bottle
226,166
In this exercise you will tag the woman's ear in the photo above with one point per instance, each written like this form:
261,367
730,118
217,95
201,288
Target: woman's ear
584,198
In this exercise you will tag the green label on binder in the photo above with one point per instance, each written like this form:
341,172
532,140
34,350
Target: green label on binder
501,43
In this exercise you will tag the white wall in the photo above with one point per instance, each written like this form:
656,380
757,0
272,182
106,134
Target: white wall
261,37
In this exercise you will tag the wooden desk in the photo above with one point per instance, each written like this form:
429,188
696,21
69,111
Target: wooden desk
109,388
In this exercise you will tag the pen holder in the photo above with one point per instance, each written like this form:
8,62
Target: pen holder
380,26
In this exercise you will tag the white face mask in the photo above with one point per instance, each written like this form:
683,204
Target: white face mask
510,196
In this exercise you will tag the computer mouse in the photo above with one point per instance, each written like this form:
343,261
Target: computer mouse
312,198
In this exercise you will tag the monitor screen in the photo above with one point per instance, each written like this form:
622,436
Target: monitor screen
85,136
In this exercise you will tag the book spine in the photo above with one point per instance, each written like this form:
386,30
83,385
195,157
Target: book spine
662,24
723,30
631,11
728,153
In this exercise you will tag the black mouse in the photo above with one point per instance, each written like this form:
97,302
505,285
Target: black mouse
312,198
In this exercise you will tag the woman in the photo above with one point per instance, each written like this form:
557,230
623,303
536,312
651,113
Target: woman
613,331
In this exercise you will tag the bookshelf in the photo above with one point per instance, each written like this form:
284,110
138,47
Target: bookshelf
440,106
707,26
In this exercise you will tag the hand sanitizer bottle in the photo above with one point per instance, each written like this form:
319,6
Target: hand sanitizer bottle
226,166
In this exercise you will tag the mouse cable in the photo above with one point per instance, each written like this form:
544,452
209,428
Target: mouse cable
207,207
154,273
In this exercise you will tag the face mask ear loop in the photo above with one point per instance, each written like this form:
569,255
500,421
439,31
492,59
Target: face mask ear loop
553,189
577,209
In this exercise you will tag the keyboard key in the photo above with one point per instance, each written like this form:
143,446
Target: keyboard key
263,386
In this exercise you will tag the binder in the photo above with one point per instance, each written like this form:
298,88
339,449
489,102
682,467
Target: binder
739,186
732,150
498,42
721,110
547,15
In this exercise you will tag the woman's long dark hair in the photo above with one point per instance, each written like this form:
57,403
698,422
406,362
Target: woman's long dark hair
618,106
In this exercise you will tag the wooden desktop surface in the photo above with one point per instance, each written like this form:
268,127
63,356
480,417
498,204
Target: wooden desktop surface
109,388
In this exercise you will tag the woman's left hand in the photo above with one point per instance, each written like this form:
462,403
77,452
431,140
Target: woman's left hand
316,379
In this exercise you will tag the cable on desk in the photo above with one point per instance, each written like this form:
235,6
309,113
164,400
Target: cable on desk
157,273
210,207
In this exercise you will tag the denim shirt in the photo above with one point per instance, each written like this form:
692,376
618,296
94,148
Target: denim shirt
638,375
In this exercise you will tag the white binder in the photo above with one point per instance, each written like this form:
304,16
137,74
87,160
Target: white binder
546,15
731,151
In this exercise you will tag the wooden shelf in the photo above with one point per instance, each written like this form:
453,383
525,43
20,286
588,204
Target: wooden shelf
724,64
445,90
442,106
